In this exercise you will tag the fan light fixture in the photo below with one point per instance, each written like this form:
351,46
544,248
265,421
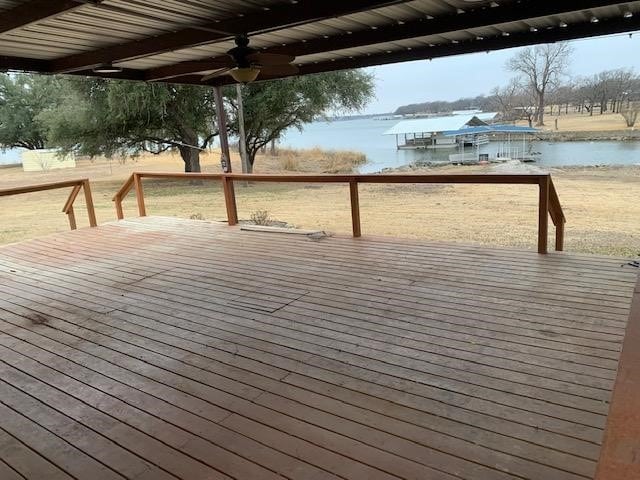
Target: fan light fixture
245,74
107,68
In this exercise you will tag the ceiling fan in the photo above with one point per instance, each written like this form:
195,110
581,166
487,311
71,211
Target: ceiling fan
246,63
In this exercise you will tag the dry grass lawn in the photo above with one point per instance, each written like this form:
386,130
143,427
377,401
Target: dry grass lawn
601,204
576,122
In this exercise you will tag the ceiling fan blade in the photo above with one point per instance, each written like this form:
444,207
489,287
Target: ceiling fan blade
268,59
222,62
215,74
278,70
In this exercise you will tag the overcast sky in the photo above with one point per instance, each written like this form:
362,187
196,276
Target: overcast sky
470,75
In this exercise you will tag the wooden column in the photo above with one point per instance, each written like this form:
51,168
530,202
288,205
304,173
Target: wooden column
543,214
225,158
221,121
242,139
355,208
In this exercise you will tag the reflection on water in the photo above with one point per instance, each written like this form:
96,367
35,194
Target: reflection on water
366,136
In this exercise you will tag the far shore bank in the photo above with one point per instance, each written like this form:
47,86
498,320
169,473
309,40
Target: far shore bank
586,136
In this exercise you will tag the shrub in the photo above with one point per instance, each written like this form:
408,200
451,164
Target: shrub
261,217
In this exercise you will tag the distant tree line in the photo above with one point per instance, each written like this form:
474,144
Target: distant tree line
438,106
542,85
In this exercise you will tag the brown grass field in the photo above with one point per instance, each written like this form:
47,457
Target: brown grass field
601,204
576,122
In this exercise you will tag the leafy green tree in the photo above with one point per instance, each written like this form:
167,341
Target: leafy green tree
22,98
107,117
272,107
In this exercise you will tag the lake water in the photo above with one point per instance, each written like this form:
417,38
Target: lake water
366,136
10,157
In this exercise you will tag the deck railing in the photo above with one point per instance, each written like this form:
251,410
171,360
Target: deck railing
548,201
76,185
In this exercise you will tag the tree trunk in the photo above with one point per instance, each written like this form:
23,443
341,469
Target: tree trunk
251,158
540,122
191,158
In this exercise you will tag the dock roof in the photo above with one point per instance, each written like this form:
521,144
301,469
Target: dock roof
437,124
489,129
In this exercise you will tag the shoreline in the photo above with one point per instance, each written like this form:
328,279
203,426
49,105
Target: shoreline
589,136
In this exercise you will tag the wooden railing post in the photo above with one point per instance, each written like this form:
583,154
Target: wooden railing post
543,214
230,200
71,215
68,206
88,198
560,236
355,208
119,210
137,184
557,215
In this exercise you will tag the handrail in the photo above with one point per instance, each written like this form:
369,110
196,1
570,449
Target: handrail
79,184
549,203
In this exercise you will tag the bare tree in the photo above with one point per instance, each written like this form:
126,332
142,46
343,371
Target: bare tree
525,104
630,115
505,99
622,83
564,95
543,67
588,93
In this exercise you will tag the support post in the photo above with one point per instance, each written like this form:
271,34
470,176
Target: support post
355,208
225,158
221,120
137,184
242,139
88,199
543,214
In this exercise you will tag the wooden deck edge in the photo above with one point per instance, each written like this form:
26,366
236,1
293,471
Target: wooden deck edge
620,454
406,241
285,230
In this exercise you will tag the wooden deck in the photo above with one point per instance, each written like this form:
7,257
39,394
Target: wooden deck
162,348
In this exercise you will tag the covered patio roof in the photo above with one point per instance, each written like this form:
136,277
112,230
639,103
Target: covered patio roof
181,41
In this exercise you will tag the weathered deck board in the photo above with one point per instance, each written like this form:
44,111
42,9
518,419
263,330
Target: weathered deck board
166,348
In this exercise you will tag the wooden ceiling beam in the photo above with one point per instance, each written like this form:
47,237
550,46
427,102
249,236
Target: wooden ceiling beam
269,19
475,18
43,66
37,10
22,64
571,32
